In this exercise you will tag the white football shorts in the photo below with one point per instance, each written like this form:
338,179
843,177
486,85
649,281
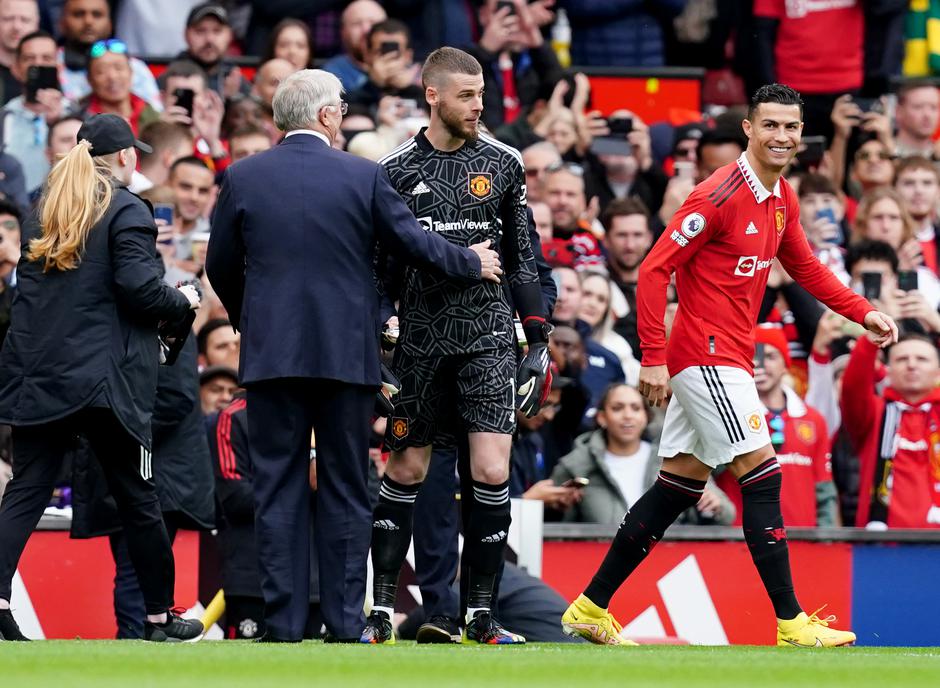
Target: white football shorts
714,414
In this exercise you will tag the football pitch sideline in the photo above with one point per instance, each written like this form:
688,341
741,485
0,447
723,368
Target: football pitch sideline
102,664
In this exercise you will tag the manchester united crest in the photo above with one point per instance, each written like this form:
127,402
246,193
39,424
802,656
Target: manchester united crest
399,427
780,219
806,432
755,421
481,184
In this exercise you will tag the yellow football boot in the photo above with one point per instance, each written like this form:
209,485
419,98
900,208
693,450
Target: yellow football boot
585,619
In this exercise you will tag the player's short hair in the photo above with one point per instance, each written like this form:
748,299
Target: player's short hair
774,93
163,136
189,160
813,183
912,163
913,85
445,61
870,249
621,207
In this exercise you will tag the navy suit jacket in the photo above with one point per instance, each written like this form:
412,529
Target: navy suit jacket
292,252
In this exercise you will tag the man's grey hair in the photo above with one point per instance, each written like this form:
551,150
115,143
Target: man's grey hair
300,97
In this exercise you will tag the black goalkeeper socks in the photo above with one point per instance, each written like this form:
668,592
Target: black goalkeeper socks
642,526
766,537
484,542
391,535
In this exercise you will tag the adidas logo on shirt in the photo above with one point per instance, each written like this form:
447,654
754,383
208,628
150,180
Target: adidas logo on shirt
385,524
751,229
495,537
421,188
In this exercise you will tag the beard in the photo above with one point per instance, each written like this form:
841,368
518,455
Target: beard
456,126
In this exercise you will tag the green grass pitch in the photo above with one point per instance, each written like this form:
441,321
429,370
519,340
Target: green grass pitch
102,664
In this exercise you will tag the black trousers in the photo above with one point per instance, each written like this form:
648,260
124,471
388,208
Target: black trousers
38,451
129,607
281,415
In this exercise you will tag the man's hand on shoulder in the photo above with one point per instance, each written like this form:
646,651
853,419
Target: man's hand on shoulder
490,268
882,330
654,384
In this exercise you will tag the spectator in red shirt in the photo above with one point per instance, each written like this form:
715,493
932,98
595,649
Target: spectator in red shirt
896,433
564,193
814,47
799,436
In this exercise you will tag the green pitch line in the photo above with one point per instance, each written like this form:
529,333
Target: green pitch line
102,664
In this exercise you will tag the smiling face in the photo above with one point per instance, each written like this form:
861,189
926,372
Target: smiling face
623,415
773,135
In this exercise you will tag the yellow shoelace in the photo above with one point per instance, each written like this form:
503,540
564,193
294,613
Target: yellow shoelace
814,619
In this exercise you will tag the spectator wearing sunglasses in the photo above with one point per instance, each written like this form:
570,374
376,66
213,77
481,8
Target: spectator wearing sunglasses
109,74
85,24
799,436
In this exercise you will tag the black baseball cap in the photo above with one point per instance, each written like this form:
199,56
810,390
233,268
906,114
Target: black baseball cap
214,371
207,9
109,133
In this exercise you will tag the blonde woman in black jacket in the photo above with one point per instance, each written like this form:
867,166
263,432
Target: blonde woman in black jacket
81,358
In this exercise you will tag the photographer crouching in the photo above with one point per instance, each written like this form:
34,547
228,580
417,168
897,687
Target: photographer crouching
81,358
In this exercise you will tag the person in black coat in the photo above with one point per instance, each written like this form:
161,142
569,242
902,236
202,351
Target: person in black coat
291,258
81,358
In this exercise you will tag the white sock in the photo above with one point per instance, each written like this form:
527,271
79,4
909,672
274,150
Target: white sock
473,611
388,611
4,604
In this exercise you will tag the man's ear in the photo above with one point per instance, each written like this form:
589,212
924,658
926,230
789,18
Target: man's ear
431,95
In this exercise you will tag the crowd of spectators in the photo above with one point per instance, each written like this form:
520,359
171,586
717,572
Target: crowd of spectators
857,432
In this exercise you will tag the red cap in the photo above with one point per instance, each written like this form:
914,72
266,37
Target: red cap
774,336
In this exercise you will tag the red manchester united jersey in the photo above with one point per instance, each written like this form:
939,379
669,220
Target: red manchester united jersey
720,244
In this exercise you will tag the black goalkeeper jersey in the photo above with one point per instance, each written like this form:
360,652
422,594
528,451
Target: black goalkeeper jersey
469,195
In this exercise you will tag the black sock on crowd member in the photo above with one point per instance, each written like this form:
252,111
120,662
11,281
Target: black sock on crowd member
484,543
642,526
766,537
391,536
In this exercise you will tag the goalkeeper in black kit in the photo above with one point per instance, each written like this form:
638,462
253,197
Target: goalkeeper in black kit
456,352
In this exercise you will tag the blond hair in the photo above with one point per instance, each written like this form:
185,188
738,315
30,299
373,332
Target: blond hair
865,205
76,196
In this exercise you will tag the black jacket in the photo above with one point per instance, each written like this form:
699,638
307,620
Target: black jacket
88,336
182,467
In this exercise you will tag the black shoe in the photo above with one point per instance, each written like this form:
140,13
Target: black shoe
439,629
8,628
378,630
272,639
175,629
486,630
330,638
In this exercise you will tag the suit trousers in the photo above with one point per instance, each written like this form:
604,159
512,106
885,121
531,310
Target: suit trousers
281,415
38,451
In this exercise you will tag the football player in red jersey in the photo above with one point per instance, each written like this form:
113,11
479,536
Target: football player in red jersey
720,244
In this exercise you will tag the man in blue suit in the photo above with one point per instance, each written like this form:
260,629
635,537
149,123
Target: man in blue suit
294,238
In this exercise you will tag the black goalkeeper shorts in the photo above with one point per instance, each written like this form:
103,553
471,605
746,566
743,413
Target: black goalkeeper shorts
443,397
